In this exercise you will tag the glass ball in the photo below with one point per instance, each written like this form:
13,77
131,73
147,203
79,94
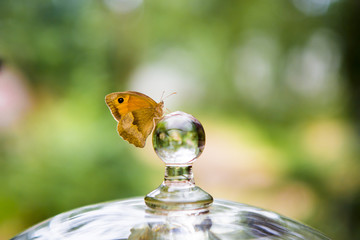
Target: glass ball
179,138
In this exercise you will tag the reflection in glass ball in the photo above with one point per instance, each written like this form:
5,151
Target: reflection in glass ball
179,138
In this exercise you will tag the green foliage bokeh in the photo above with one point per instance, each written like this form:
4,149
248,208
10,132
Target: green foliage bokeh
64,152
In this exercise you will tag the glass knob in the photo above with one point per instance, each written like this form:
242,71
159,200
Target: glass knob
178,140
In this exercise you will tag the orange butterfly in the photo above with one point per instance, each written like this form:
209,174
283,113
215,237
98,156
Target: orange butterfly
136,113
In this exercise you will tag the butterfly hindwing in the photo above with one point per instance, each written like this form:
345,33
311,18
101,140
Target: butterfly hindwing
136,126
130,132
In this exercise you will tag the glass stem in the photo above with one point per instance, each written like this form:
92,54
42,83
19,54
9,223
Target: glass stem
175,174
178,191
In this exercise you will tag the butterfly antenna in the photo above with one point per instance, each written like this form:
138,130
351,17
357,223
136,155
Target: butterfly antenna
162,99
162,96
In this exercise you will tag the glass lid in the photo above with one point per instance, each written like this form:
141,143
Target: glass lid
177,209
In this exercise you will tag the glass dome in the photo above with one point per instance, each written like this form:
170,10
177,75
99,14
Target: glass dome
177,209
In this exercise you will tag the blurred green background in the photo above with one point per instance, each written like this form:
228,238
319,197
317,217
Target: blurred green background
274,83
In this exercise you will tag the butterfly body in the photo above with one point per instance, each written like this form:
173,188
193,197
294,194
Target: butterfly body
136,115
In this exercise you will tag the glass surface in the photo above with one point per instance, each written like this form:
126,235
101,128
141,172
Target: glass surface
131,219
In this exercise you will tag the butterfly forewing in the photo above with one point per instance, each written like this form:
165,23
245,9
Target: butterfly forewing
131,101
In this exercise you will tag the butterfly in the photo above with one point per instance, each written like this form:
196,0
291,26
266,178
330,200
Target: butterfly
136,114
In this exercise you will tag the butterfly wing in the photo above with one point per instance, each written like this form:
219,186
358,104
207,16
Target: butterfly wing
136,126
136,114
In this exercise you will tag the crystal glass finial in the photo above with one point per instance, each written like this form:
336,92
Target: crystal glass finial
178,140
